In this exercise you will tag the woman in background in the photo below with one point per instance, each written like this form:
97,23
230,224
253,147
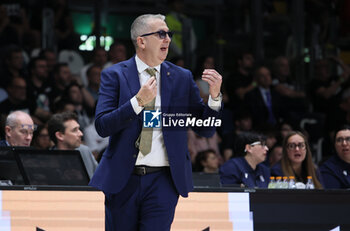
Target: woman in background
207,162
297,160
248,169
41,139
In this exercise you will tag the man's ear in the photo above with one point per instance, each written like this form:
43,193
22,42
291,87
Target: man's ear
8,131
141,42
247,148
59,135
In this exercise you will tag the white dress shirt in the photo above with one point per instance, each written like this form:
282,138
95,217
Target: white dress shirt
263,94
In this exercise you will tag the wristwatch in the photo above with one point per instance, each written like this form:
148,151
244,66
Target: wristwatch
139,100
218,98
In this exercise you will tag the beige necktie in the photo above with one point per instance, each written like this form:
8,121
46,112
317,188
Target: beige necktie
146,133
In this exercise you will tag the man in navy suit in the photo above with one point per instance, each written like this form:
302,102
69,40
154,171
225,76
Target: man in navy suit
142,187
19,130
264,102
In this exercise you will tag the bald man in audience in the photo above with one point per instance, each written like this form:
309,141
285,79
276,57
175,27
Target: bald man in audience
19,129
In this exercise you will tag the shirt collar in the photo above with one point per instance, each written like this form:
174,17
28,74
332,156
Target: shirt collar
264,89
141,66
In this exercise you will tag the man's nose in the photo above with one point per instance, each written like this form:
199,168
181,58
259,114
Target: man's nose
29,136
167,38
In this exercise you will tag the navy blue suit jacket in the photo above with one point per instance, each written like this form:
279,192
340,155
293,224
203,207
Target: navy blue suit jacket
3,143
335,173
116,118
238,171
256,105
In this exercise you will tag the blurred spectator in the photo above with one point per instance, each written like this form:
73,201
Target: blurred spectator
19,129
297,160
270,133
284,85
284,129
205,62
41,138
62,78
94,141
237,11
324,88
99,58
275,155
64,29
5,29
65,132
178,22
13,66
38,89
336,170
178,60
197,144
3,94
17,98
117,53
319,12
93,76
83,102
206,161
51,59
241,81
263,102
14,23
242,123
62,105
341,113
282,79
248,169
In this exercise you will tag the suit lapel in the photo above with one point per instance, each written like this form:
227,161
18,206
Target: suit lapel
131,76
166,83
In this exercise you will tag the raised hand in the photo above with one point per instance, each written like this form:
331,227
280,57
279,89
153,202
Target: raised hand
147,92
214,79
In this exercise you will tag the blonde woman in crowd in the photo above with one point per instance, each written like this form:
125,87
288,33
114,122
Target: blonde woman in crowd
297,160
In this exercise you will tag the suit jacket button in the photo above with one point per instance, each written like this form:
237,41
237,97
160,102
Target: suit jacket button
134,155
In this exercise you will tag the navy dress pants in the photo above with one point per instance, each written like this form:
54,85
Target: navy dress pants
147,203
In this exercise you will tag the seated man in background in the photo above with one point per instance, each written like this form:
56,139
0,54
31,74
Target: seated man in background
65,132
19,130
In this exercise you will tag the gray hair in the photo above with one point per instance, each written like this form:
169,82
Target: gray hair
12,118
141,26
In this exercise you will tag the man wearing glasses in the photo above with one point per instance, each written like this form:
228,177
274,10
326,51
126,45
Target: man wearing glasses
336,170
142,173
19,129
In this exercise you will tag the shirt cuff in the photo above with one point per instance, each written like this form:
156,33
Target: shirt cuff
135,105
214,104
